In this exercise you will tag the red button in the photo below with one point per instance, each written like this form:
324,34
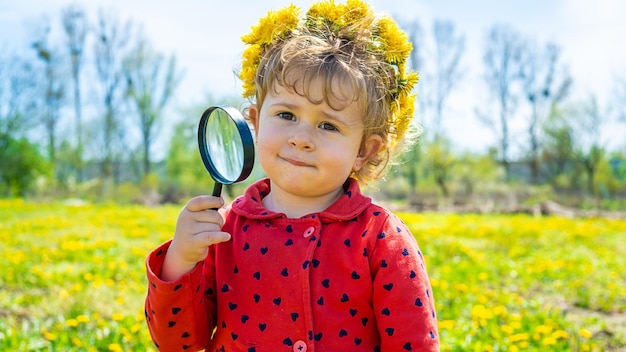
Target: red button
308,232
299,346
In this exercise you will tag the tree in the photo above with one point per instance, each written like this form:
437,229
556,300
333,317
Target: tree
53,90
449,49
112,41
151,80
17,88
21,165
21,162
545,84
587,129
75,26
558,154
502,60
441,160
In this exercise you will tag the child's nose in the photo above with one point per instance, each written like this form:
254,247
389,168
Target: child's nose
302,138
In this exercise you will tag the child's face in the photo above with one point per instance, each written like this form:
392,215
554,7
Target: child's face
309,150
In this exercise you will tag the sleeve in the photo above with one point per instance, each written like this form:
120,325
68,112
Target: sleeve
403,300
179,313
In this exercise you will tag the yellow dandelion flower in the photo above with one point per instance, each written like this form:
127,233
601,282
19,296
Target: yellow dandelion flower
71,323
585,333
358,10
273,26
325,11
396,42
446,324
82,319
481,312
115,347
507,329
117,316
49,336
560,334
499,310
77,342
543,329
519,337
549,341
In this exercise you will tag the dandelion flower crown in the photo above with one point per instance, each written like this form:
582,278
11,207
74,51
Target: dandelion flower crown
385,39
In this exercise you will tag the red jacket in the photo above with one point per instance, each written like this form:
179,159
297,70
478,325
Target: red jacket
350,278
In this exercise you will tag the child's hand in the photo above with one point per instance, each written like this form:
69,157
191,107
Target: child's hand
199,226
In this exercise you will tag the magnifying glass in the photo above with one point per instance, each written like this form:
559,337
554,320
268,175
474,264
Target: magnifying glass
226,146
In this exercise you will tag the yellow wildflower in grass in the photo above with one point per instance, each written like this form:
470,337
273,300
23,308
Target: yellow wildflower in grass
77,342
519,337
560,334
117,316
480,312
82,319
115,347
585,333
543,329
461,287
446,324
71,323
548,341
500,310
507,329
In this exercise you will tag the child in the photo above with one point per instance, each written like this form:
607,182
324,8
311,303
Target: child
303,261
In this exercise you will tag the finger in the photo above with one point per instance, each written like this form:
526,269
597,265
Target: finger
207,217
199,227
210,238
200,203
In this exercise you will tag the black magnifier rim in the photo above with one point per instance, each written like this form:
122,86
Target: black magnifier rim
246,141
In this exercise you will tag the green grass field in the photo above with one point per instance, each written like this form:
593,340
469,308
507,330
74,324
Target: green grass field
72,278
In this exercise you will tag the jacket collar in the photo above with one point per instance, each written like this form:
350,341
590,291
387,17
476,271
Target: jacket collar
347,207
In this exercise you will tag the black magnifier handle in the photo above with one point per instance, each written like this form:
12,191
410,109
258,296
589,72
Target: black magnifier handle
217,189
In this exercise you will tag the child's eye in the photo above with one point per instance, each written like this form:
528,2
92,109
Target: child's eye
286,116
328,126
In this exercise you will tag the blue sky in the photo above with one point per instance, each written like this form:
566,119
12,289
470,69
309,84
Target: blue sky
204,35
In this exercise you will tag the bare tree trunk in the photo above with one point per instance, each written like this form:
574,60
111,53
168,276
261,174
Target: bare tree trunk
75,26
502,60
112,42
151,81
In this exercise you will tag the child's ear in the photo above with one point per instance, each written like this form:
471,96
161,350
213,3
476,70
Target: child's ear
370,147
253,116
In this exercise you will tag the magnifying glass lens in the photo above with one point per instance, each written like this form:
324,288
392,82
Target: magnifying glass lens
224,145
